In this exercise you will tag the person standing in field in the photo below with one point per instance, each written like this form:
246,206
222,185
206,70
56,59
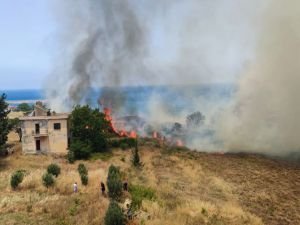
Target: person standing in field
125,185
75,187
102,188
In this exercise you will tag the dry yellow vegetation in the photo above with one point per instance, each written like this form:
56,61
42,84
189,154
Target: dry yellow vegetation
191,188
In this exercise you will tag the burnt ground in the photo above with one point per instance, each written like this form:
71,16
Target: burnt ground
268,188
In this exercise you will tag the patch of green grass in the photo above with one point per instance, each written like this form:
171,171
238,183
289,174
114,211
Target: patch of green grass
74,208
139,193
104,156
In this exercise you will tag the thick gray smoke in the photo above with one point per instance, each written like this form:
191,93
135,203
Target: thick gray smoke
104,46
141,42
252,44
265,113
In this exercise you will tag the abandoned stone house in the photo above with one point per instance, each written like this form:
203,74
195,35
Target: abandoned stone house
44,131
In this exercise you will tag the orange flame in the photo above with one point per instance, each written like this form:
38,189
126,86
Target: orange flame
122,132
133,134
109,119
179,143
154,134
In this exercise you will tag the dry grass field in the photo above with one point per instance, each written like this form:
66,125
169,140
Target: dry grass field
190,188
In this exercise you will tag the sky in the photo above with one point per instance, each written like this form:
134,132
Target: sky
26,40
31,30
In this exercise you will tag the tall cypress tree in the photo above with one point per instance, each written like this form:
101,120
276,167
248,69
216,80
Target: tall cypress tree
4,125
135,155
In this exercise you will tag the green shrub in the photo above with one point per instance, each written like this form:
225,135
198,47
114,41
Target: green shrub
16,179
48,180
82,170
84,179
130,142
114,215
53,169
114,182
80,149
135,157
114,143
74,208
139,193
123,143
124,146
71,157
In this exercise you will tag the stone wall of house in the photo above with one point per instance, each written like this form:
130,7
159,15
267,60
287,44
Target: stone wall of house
51,140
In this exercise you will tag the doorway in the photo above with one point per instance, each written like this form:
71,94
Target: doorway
38,145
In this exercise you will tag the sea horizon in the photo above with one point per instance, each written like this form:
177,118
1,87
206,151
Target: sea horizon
136,96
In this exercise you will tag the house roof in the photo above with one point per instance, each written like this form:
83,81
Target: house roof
58,116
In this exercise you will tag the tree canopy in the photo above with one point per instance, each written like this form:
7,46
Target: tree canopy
195,120
24,107
4,124
88,131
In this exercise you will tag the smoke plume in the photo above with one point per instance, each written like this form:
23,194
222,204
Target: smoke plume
252,45
139,42
264,116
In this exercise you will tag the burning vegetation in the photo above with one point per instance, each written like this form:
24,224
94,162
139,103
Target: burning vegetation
167,133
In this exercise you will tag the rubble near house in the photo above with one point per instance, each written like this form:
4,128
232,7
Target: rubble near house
44,131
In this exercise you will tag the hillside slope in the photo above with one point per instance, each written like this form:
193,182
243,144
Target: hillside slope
190,188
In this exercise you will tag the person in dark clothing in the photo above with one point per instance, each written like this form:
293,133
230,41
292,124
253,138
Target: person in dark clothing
102,188
125,186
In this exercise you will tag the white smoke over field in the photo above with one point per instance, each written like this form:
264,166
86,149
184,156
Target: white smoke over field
254,45
265,114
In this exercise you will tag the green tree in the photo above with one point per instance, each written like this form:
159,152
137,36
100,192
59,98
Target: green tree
195,120
4,124
88,130
80,149
16,179
24,107
114,182
82,169
84,179
71,157
53,169
135,156
114,215
48,180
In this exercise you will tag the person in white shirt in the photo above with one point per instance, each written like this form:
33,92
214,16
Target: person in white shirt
75,187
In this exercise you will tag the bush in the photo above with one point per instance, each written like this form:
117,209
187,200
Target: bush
80,149
24,107
135,157
48,180
139,193
114,182
53,169
124,146
123,143
16,179
71,157
114,215
84,179
82,170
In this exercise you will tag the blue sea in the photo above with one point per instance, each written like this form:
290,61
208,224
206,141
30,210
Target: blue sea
15,97
132,98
